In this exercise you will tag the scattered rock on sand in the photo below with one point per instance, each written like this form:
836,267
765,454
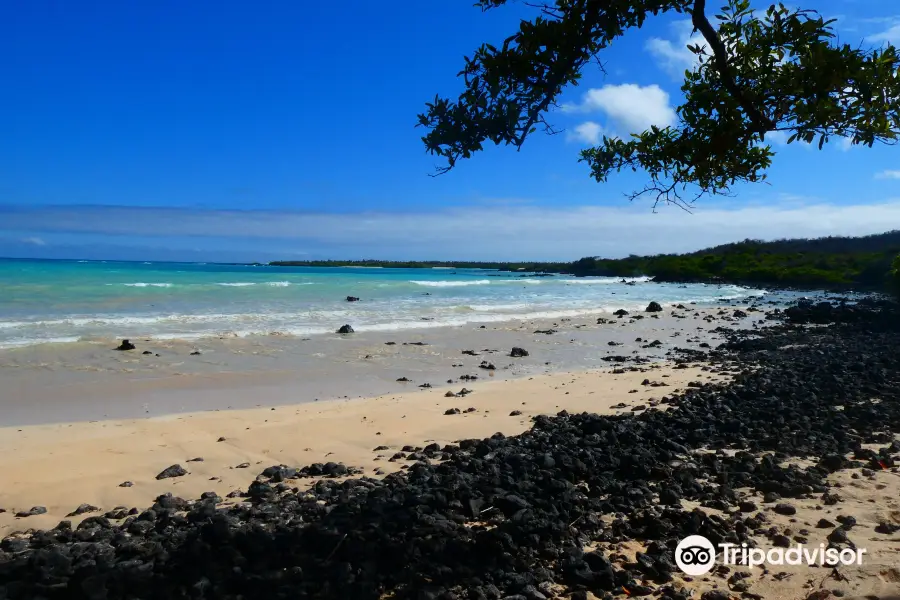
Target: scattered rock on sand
452,411
126,484
83,508
146,352
403,379
126,345
518,352
785,509
195,353
487,366
345,329
653,307
621,313
197,459
352,299
173,471
515,413
34,510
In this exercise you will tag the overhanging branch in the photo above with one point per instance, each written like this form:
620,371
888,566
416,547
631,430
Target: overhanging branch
761,122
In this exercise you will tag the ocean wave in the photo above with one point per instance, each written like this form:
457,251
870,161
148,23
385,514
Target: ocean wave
606,280
237,284
452,283
23,342
278,283
143,284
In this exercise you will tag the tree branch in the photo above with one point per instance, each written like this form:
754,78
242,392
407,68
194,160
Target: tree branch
761,122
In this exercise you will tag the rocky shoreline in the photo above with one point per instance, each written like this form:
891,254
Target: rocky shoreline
539,515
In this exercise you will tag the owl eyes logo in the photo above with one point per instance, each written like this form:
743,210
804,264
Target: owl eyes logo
695,555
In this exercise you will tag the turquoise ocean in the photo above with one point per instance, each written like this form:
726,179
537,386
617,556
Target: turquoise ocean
59,301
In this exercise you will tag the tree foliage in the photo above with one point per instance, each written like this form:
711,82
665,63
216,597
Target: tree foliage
760,71
895,275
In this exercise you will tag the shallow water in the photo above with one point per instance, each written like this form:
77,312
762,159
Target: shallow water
68,301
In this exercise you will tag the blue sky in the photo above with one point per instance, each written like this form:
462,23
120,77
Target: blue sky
238,131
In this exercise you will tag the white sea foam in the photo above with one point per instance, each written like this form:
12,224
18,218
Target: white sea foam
278,283
453,283
606,280
237,284
23,342
143,284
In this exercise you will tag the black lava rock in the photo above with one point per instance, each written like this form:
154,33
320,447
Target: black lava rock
785,509
34,510
173,471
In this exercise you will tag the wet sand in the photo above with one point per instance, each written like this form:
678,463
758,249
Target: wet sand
90,381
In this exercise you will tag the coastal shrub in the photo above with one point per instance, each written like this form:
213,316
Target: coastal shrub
895,276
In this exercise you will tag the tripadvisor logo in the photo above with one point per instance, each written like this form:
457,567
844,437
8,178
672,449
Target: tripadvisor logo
696,555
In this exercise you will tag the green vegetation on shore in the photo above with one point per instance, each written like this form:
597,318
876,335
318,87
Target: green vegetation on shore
871,262
829,262
895,275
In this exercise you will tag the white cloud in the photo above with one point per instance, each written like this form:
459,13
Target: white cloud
588,132
891,35
486,232
674,56
631,108
34,241
777,138
888,174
